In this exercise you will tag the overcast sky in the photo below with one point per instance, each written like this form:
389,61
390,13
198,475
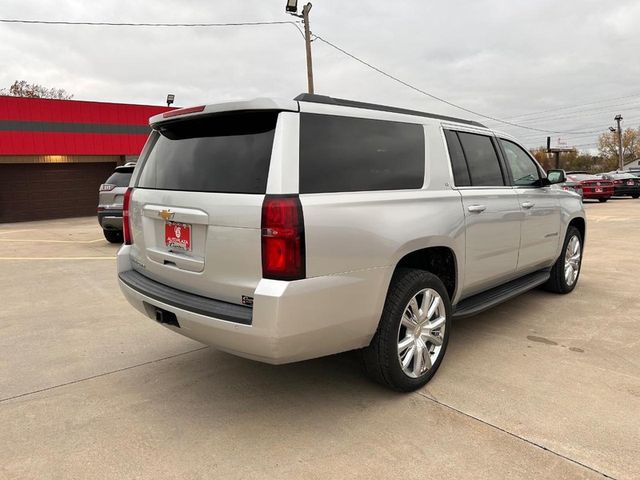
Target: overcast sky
503,59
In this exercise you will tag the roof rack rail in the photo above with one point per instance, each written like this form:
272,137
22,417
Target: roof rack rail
312,98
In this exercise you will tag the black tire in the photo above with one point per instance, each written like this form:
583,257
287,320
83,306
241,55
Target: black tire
380,359
603,200
635,196
557,283
113,236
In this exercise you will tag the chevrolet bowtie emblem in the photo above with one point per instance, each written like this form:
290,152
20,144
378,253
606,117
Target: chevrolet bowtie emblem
166,214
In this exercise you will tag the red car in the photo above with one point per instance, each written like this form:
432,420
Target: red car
594,187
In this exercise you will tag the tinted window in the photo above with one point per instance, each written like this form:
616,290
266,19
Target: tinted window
458,163
343,154
581,177
484,166
523,169
119,179
222,153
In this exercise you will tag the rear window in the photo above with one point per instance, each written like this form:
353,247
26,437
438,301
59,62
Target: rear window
227,153
345,154
582,177
119,179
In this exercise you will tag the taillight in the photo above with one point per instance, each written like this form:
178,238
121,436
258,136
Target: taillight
126,217
618,182
183,111
106,187
282,238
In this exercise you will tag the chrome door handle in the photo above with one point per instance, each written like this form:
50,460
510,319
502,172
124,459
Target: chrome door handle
477,208
528,205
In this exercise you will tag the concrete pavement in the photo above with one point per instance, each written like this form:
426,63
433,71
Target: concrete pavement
544,386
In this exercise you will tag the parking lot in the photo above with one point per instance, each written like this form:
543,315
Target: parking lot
544,386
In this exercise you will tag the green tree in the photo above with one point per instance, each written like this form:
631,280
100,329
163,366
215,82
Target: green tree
32,90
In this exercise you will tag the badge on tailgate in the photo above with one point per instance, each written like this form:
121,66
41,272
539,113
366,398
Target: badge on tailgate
177,235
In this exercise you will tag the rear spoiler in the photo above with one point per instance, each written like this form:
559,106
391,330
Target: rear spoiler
248,105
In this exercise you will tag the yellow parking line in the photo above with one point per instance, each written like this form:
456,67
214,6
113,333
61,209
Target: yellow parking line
57,258
10,240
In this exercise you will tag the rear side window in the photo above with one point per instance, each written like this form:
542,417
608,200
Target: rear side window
458,163
228,153
345,154
119,179
482,160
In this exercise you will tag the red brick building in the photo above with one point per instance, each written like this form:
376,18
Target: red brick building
54,154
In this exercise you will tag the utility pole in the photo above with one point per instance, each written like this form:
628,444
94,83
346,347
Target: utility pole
307,40
292,8
620,152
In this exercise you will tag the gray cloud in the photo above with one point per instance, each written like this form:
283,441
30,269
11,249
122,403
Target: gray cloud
504,59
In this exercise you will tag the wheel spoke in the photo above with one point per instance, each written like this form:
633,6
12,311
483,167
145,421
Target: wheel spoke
405,343
433,307
415,309
419,358
408,356
436,323
426,360
424,304
431,338
408,321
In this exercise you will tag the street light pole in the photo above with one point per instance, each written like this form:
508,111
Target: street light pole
292,9
307,40
618,119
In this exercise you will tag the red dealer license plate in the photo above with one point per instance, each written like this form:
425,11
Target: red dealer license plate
177,235
598,190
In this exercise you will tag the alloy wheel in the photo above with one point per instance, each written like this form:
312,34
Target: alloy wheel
421,332
572,257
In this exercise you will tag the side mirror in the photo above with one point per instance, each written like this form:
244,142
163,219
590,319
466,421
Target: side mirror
556,176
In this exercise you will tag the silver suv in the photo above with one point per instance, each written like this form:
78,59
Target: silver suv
110,198
287,230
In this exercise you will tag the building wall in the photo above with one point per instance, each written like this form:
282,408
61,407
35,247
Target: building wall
54,154
32,191
36,126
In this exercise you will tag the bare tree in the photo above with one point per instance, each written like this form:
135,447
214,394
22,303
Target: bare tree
22,88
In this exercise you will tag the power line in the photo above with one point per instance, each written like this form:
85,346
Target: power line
573,106
423,92
132,24
628,121
588,112
236,24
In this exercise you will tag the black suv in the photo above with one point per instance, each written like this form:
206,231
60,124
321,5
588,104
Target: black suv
110,198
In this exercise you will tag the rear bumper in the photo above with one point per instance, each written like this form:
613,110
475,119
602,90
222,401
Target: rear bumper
627,191
594,195
290,321
110,219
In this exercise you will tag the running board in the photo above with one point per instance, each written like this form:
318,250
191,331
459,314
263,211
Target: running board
485,300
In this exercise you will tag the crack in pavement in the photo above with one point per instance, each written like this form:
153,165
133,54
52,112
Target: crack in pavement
104,374
514,435
423,395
